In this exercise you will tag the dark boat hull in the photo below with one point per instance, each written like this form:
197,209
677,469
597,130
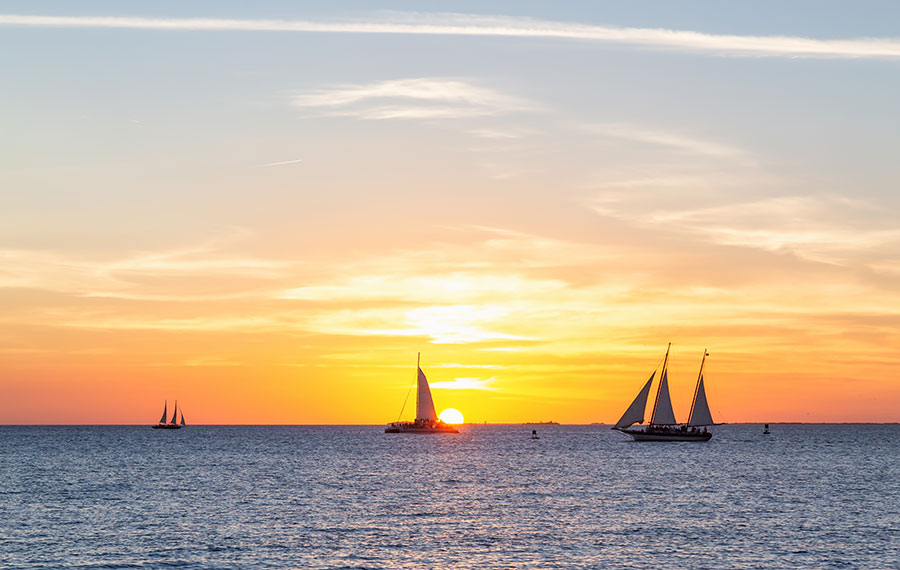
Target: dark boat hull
406,427
166,426
666,435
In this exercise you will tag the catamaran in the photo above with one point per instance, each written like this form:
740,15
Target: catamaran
663,426
172,424
426,418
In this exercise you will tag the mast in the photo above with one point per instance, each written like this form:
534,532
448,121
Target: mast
697,387
418,367
406,399
659,387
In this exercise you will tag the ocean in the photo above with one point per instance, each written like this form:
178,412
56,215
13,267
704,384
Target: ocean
253,497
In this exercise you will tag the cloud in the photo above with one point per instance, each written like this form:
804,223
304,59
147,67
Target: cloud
501,26
415,98
249,324
667,139
480,366
401,284
281,163
819,228
498,134
443,324
164,275
464,384
507,292
814,227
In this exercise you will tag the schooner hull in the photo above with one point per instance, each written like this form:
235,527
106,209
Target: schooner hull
166,426
655,435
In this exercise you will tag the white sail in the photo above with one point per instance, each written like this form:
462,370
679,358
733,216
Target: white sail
175,413
662,412
162,420
424,403
700,415
635,412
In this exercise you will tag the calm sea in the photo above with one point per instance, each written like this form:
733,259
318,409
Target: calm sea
806,496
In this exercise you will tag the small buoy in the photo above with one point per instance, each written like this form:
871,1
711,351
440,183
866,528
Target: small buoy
766,430
534,434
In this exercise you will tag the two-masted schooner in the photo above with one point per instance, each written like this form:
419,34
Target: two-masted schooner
426,418
663,426
172,424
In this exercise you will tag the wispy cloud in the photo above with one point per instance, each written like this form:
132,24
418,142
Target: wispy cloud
479,366
815,227
464,384
668,139
443,324
156,275
820,228
499,134
413,98
281,163
468,286
500,26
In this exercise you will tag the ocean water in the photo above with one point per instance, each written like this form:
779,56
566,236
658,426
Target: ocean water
806,496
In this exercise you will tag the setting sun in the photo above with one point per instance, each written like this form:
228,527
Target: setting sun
451,416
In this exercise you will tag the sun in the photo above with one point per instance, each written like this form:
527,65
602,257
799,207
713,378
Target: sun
451,416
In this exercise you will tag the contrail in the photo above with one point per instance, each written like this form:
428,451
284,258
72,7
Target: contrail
281,163
475,25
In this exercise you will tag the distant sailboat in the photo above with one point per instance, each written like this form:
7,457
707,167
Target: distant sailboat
426,418
663,426
172,424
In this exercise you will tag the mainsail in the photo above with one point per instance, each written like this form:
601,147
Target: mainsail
700,415
662,412
424,403
635,412
174,414
162,420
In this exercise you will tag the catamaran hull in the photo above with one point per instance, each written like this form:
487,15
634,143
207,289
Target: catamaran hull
638,435
392,429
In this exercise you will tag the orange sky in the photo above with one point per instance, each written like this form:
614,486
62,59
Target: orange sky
512,328
267,223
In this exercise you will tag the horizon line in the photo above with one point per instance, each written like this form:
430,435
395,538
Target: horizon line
753,423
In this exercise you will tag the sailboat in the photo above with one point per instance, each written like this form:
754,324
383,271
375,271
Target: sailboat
426,418
172,424
662,426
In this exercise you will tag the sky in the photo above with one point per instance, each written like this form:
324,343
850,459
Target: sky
266,210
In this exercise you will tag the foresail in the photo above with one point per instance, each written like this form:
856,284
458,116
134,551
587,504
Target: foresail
700,415
635,412
182,419
663,413
162,420
424,403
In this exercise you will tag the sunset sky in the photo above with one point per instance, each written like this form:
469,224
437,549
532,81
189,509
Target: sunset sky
265,210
